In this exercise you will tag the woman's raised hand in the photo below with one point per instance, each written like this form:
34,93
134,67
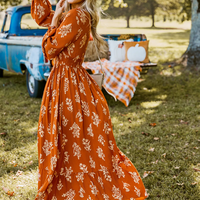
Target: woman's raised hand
60,7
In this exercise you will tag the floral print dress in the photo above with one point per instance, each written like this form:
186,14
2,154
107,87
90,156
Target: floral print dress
78,155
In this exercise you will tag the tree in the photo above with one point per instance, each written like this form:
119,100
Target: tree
129,8
186,6
192,55
160,7
122,8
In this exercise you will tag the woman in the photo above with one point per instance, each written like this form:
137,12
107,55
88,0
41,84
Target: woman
78,155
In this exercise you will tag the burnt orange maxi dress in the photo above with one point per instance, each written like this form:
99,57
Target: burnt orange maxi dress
78,155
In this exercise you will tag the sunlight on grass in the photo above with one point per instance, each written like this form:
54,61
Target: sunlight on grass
148,112
32,129
151,104
150,90
124,124
169,72
196,174
162,97
21,183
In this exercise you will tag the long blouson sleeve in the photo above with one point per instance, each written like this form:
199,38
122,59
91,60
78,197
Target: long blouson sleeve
56,39
42,12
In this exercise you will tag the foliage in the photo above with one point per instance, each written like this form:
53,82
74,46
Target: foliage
5,3
126,8
186,8
130,8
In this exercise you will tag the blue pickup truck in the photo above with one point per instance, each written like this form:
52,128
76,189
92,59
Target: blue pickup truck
20,48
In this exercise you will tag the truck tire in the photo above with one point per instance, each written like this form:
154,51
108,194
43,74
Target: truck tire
1,73
35,88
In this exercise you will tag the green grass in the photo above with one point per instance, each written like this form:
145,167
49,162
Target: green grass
169,97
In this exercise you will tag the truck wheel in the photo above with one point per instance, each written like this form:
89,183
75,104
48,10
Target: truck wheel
35,88
1,72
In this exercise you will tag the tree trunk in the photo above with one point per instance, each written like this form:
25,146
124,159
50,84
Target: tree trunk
128,21
192,55
152,10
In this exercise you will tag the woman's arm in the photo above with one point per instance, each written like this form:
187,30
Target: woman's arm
56,39
42,12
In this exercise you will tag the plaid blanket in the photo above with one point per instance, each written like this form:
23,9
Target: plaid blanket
121,78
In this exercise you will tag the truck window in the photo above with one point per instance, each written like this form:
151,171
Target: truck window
27,22
7,23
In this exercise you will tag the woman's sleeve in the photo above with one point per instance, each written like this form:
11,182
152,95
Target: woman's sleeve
42,12
56,39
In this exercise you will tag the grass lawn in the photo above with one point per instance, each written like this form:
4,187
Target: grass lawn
167,155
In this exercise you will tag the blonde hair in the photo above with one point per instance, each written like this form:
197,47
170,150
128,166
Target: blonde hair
92,8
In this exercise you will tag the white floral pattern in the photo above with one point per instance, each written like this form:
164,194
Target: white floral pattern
67,173
41,130
79,115
77,150
137,191
116,193
82,88
90,131
69,104
53,162
70,195
106,129
66,159
81,192
80,177
135,177
59,185
76,130
47,147
100,153
77,97
95,119
65,29
105,173
126,187
85,108
101,140
100,181
86,144
64,121
116,167
66,85
93,188
40,11
92,163
105,197
43,110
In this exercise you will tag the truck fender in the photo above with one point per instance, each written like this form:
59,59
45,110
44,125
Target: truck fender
33,69
32,63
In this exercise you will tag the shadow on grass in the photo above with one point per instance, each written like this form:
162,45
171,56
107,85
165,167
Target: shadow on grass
170,148
18,118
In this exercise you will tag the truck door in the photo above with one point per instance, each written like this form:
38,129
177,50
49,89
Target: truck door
3,42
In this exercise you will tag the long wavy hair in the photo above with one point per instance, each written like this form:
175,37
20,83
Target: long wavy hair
91,7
